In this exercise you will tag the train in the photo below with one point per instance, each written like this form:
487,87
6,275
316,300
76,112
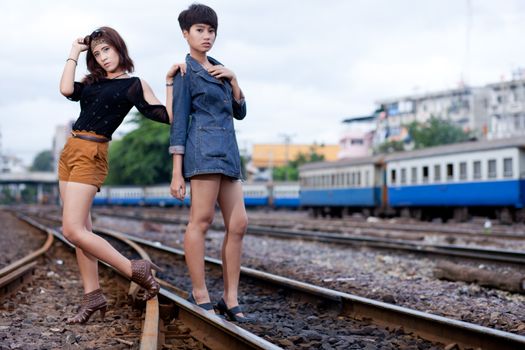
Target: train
457,181
277,196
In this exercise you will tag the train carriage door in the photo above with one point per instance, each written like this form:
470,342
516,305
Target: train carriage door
383,183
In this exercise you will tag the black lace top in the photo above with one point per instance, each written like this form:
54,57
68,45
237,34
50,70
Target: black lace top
105,104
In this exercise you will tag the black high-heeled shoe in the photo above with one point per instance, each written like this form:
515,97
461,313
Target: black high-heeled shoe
232,313
205,306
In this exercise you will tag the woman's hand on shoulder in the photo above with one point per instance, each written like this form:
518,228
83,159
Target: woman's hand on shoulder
174,69
221,72
79,45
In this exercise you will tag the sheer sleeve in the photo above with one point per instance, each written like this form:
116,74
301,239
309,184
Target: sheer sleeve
157,113
77,91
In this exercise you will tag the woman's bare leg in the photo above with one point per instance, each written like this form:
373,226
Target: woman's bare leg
231,202
204,191
87,264
77,199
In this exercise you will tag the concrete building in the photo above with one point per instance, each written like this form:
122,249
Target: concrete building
507,109
466,107
357,137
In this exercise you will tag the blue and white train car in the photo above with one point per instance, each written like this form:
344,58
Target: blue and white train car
349,184
285,195
461,176
159,195
255,195
125,195
101,198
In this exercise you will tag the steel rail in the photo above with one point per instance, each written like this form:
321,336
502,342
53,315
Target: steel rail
150,329
425,325
506,256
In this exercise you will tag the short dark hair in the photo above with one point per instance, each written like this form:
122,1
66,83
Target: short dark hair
198,13
113,38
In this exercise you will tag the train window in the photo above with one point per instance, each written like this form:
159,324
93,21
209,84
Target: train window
403,176
463,170
393,176
367,175
477,169
507,167
450,171
425,174
413,177
352,178
437,172
332,179
358,179
492,168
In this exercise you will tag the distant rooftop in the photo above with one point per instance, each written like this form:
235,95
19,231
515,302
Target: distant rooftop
366,118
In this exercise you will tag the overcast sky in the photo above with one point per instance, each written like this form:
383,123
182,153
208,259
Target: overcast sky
304,66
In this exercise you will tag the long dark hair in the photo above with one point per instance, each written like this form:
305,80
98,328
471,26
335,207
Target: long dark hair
112,38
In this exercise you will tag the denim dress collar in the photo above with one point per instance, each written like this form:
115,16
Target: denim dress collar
198,69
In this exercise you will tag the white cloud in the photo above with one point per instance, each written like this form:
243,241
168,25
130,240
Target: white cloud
304,65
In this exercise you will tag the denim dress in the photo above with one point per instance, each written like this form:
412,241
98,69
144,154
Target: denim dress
202,128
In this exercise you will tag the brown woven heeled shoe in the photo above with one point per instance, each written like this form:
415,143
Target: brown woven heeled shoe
91,302
141,274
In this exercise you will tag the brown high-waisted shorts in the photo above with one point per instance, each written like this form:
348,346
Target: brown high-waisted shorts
84,161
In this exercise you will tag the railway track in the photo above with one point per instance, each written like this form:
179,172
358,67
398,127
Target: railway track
470,252
211,331
350,307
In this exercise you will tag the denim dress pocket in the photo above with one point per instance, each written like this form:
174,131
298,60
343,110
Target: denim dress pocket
213,141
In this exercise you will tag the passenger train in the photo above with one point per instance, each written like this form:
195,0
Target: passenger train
282,195
452,181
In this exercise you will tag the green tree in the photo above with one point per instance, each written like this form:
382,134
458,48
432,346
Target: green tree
291,171
436,132
43,162
141,157
390,147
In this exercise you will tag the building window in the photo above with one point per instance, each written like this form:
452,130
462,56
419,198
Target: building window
425,174
450,172
492,169
437,173
414,175
477,169
403,176
507,167
463,170
393,176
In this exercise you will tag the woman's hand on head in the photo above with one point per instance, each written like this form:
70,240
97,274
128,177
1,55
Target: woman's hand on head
174,69
79,45
221,72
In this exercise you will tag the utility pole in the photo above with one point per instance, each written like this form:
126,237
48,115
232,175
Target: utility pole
287,139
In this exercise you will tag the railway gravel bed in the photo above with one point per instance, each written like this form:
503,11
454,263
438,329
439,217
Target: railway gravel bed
18,239
292,322
471,235
287,321
398,278
34,318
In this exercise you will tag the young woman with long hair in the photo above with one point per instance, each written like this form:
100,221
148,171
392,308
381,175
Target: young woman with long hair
106,96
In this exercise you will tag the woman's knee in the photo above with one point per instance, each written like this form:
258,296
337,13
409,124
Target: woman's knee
238,226
71,233
202,223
